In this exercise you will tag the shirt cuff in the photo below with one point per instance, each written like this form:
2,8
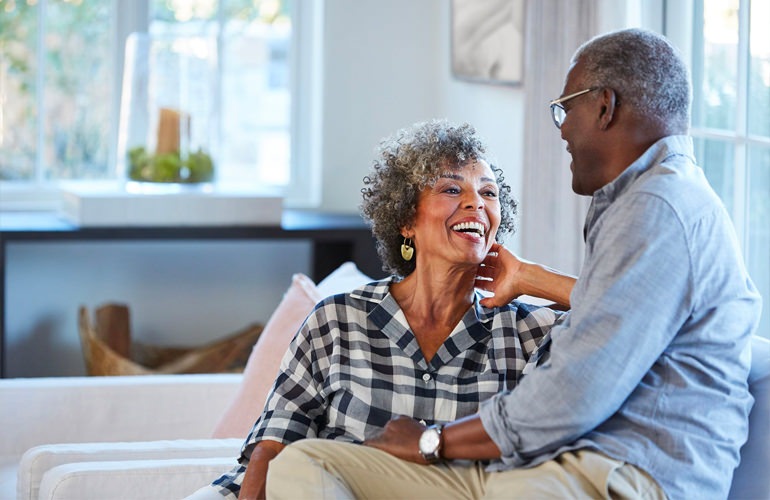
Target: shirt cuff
494,418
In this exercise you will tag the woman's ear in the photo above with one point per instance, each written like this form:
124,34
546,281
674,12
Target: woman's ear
609,102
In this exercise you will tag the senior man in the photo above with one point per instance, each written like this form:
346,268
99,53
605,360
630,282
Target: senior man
645,392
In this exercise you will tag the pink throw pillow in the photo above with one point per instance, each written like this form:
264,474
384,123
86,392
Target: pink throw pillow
262,366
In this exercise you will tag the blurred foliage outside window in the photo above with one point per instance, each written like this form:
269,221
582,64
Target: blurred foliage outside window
56,76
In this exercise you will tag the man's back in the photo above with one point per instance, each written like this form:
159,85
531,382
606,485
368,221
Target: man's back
671,237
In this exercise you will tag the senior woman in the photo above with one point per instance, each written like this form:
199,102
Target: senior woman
418,343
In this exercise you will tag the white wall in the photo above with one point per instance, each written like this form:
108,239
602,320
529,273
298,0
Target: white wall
382,71
497,112
387,65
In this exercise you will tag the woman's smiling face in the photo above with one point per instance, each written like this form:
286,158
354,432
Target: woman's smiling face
457,218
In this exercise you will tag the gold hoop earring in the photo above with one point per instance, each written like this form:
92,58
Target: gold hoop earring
407,250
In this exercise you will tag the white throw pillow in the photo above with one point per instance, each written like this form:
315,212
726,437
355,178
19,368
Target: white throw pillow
345,278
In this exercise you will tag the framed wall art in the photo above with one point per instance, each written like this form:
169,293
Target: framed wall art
487,40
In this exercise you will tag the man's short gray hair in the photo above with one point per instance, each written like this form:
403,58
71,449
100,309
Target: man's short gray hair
645,70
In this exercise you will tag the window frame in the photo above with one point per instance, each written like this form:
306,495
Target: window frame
678,27
303,191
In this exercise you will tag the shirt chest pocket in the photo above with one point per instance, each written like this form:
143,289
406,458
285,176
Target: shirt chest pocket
487,384
468,392
355,406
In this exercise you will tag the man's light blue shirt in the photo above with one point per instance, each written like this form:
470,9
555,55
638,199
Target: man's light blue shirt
651,365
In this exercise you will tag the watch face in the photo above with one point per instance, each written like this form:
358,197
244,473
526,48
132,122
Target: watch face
429,441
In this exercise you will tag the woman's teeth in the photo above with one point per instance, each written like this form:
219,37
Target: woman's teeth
470,227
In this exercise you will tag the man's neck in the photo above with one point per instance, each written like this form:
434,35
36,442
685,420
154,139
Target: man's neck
628,145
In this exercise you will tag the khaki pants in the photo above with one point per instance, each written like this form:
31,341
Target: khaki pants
315,468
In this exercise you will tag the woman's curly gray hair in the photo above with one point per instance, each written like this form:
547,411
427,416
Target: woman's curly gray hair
409,161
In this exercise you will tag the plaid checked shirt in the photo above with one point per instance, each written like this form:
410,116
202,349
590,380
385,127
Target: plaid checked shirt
355,364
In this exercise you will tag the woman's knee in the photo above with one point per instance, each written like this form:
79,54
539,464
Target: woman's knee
299,471
307,450
288,458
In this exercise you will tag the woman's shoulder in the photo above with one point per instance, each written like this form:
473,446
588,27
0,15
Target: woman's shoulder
344,314
536,314
374,291
351,306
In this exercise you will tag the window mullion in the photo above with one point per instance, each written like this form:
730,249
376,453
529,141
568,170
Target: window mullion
697,62
129,16
221,40
740,184
307,104
40,55
743,69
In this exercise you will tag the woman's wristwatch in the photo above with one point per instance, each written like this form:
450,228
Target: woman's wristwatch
430,443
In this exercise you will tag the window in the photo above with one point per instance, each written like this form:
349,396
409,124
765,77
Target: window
60,85
729,49
56,80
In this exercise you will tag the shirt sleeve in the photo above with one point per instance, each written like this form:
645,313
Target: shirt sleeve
296,404
629,302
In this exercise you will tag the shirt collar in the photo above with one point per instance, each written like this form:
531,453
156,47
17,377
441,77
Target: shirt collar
386,314
660,151
655,155
377,291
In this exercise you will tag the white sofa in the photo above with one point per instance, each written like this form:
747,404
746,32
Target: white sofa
120,437
149,436
146,437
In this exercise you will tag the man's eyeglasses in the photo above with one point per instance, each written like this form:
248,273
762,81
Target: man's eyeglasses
558,113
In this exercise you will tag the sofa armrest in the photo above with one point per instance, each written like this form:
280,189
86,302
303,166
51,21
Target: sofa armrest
144,479
104,409
38,461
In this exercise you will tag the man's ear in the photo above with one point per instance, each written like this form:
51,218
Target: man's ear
608,101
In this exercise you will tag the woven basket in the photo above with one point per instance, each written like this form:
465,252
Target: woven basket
109,350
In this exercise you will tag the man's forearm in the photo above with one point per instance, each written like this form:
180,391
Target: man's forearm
541,281
462,439
466,439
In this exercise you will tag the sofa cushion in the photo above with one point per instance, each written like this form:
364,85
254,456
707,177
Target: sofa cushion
37,461
135,479
345,278
262,365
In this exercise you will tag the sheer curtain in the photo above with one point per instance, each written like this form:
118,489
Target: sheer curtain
551,214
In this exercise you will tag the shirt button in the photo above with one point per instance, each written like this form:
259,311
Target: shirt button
426,377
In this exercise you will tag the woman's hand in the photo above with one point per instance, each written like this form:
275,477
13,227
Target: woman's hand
509,277
255,477
500,273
